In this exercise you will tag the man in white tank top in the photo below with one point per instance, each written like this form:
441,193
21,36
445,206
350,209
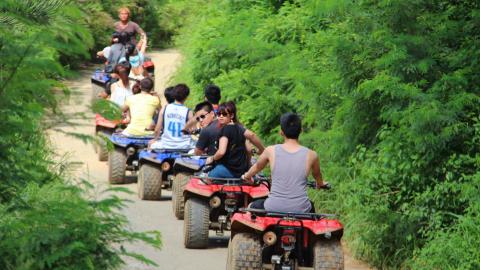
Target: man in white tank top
171,122
290,163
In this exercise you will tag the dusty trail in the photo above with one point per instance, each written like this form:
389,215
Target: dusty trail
144,215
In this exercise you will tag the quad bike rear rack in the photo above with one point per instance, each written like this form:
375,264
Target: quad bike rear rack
291,215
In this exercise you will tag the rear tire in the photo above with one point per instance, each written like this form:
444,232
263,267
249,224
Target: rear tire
196,224
328,255
178,203
149,182
244,252
101,147
117,164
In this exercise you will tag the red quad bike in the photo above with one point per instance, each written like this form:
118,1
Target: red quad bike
104,128
211,202
284,241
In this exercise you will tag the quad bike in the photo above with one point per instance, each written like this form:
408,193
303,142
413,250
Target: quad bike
101,82
124,156
184,168
158,168
211,202
104,128
284,241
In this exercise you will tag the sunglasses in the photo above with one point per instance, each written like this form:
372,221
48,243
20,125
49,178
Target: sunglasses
201,117
223,114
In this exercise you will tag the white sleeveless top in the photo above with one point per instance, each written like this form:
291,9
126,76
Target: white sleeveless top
120,94
174,120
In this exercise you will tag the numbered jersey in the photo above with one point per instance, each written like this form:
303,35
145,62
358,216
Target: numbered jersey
174,120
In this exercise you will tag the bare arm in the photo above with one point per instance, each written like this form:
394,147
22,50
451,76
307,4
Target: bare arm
159,126
222,148
143,46
191,123
259,165
317,174
253,138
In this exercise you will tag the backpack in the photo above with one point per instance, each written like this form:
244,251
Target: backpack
117,52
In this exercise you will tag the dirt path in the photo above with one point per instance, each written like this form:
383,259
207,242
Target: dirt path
144,215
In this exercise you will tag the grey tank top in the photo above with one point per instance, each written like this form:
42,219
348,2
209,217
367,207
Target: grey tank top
289,182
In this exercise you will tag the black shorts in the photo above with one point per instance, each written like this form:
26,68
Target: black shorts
260,204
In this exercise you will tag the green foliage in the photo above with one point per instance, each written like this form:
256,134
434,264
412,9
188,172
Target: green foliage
388,92
47,222
55,227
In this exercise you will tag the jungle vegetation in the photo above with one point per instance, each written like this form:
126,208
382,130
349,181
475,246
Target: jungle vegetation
48,220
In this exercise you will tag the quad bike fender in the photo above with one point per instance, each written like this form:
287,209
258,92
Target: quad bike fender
100,78
196,186
121,141
244,221
101,122
188,164
146,156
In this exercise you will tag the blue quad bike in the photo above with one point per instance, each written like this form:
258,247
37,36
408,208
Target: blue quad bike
101,82
161,168
124,156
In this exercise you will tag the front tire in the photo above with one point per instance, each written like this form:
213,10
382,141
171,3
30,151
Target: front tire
196,224
328,255
117,164
244,252
149,182
178,203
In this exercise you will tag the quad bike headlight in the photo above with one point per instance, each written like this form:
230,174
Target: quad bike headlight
269,238
165,166
215,202
131,151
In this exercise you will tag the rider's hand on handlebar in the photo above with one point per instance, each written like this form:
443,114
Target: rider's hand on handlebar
209,161
326,185
246,179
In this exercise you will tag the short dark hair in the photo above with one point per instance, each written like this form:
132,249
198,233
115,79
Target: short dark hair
207,106
181,92
169,94
291,125
212,93
146,85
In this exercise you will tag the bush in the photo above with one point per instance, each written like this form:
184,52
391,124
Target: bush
47,222
55,227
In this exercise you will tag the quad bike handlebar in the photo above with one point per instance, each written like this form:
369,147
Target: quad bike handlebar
313,184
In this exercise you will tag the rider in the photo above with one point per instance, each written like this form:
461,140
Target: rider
169,94
171,121
127,26
136,57
212,95
121,89
231,158
207,141
291,163
142,108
